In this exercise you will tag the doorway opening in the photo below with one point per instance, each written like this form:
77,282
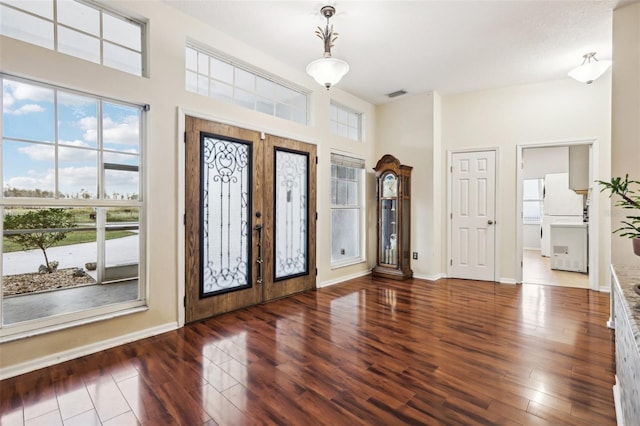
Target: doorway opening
556,214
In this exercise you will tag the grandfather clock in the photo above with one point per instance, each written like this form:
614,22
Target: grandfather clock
394,219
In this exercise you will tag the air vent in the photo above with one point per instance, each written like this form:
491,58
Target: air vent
396,93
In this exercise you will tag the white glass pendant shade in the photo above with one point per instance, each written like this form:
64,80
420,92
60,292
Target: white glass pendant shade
589,71
328,71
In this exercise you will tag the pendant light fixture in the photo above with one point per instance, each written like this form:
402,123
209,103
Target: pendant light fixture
327,70
590,70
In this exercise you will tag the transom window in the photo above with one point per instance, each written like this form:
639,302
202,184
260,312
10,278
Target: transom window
220,78
72,206
347,210
79,29
345,122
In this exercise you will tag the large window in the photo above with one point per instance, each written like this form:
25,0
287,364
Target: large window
347,211
79,29
71,205
220,78
345,122
532,201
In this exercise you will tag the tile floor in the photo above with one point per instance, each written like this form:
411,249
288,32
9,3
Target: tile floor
536,269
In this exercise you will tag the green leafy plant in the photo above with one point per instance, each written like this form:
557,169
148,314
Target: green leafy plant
627,190
41,229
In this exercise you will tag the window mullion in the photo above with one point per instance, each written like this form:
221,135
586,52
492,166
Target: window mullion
56,156
55,25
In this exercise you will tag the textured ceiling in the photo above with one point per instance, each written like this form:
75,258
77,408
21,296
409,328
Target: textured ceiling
418,46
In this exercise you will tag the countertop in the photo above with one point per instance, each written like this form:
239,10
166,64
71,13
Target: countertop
627,278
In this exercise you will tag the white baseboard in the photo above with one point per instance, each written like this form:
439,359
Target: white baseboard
49,360
343,279
435,277
617,403
507,281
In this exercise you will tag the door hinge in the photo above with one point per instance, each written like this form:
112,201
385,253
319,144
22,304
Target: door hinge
184,219
184,301
451,169
316,159
451,215
262,136
450,262
316,272
316,215
185,138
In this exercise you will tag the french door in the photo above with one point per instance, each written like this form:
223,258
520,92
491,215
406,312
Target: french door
250,217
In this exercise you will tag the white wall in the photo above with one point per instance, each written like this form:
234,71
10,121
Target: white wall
408,129
539,162
168,31
531,238
625,144
554,111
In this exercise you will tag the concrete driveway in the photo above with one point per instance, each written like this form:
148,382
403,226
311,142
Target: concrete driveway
118,252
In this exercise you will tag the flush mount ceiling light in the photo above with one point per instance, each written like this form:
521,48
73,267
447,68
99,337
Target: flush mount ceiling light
327,70
590,70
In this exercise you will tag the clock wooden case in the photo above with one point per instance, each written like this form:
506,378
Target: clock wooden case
394,219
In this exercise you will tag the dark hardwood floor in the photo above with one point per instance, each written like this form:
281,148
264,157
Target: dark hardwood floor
369,351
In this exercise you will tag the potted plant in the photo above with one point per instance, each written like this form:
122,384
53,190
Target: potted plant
629,199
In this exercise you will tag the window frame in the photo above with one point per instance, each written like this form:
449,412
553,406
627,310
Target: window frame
38,326
100,37
539,200
361,207
334,124
239,67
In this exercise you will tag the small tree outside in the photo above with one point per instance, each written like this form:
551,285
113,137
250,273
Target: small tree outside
40,223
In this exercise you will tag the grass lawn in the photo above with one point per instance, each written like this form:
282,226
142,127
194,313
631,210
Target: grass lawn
75,237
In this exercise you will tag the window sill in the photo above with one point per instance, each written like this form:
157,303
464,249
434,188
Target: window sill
25,334
347,262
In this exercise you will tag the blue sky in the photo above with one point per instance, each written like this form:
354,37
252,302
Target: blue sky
30,147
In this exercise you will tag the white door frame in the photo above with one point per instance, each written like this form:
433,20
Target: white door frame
497,220
594,208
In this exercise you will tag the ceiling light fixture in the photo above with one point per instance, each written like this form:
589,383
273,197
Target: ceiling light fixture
327,70
590,70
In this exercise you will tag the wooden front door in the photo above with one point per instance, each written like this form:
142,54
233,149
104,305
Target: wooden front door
250,217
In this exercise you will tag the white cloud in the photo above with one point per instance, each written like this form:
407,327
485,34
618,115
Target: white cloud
38,152
33,180
7,100
74,179
25,109
13,92
90,127
76,142
22,91
125,132
70,99
47,153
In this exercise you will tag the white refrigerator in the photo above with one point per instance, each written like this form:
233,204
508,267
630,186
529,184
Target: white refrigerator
560,206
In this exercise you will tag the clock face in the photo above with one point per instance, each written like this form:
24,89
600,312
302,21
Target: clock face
389,186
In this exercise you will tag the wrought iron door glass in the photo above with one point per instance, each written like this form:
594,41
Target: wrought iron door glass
225,213
291,213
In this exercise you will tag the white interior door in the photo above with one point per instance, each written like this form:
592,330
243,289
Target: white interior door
473,194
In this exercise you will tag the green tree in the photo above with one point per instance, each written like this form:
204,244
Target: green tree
39,224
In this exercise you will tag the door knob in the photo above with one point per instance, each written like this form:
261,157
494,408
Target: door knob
490,222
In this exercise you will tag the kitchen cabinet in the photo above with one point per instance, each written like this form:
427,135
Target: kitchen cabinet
579,168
